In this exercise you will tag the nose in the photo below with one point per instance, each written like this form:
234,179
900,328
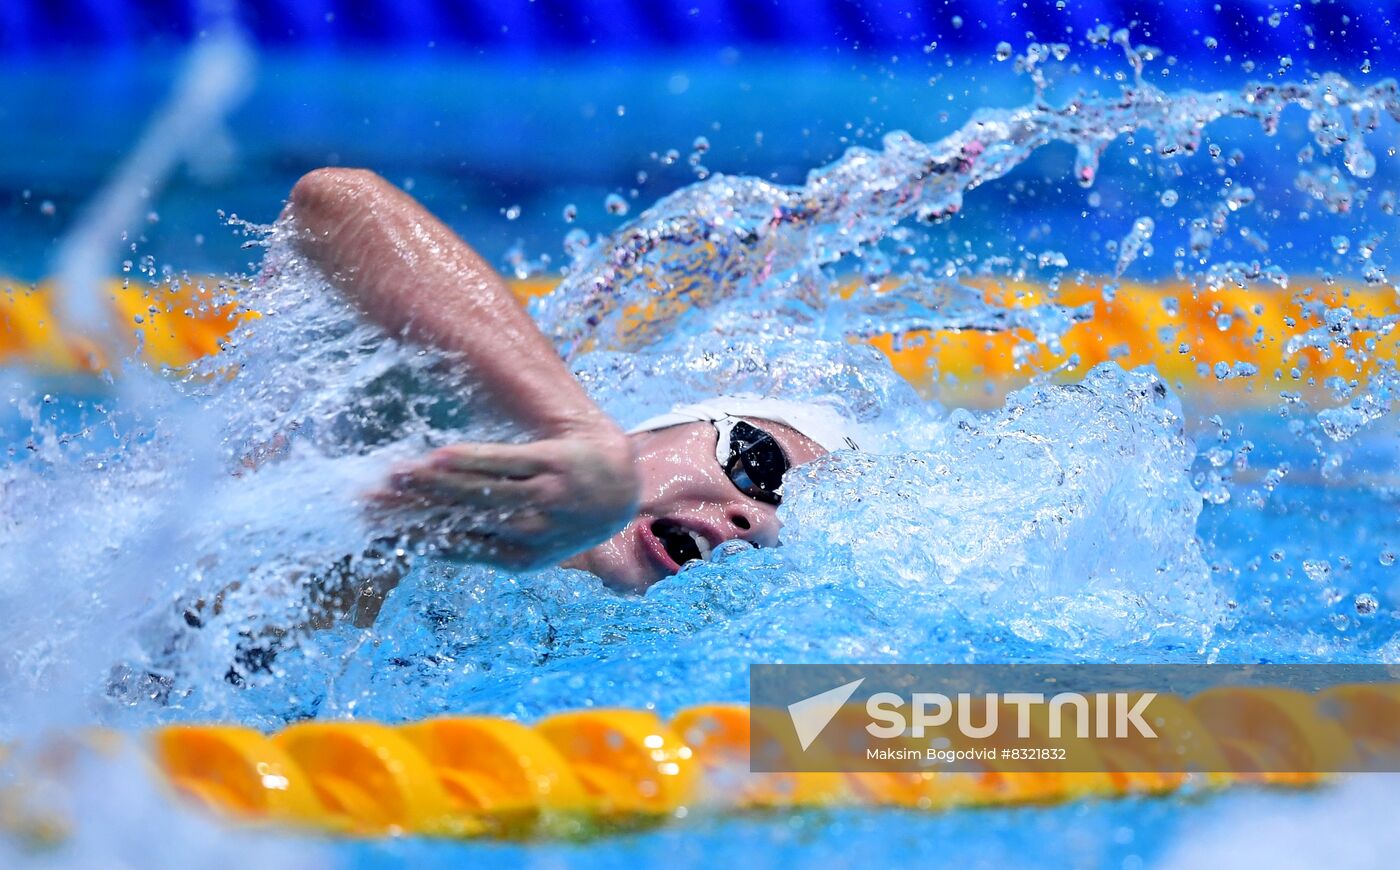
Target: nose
752,521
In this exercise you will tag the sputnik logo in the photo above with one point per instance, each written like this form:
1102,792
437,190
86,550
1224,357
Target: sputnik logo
810,716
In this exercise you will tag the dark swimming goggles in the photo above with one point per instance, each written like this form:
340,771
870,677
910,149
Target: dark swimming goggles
752,459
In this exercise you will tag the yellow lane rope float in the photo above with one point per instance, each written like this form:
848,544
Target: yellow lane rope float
175,323
587,771
1186,333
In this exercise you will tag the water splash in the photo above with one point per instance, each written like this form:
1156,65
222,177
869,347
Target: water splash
1063,525
733,237
188,129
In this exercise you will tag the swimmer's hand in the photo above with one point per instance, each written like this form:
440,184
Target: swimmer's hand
517,506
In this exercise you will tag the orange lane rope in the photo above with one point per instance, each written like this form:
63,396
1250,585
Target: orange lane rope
1188,335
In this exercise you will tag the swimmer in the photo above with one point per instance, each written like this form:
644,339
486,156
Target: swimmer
630,508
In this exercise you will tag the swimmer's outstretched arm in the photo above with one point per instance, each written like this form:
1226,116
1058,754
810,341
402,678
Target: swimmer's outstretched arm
406,271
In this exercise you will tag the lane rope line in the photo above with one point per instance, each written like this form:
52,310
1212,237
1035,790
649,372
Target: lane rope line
588,770
1188,335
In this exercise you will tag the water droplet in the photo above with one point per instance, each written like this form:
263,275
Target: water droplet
1211,43
1219,456
1239,198
46,208
512,212
701,144
1276,19
575,242
1387,557
615,204
1169,198
1135,243
1358,160
1365,604
1341,244
1003,51
1086,166
1318,570
570,213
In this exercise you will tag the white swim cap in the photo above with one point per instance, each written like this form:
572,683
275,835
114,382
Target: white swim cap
822,423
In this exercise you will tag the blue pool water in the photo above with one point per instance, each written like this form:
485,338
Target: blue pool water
1095,518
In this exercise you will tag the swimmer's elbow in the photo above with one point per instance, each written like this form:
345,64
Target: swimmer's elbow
332,186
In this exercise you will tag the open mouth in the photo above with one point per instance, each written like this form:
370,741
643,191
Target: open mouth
682,544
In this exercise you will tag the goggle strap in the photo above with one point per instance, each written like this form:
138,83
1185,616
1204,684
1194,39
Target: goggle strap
725,427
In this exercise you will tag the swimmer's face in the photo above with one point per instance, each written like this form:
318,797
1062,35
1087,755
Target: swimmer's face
688,507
